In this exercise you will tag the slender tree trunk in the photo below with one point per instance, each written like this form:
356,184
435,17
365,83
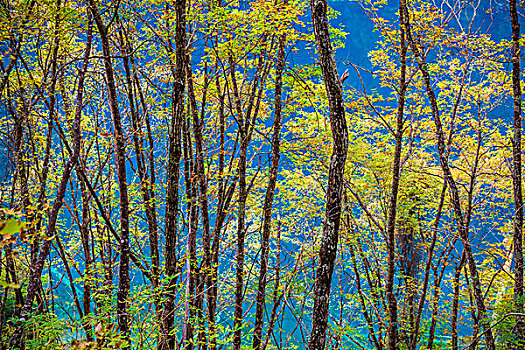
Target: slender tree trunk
224,205
392,209
246,129
516,176
16,341
241,232
328,250
198,129
88,274
11,276
364,309
149,209
49,136
277,280
120,159
455,199
268,200
172,196
63,257
138,142
430,251
16,51
222,201
187,341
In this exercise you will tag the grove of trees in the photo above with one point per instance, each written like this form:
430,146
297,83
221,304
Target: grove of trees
208,175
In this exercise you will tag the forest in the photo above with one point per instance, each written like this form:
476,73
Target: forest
212,175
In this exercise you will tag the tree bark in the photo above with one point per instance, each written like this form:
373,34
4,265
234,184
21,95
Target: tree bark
277,280
16,53
88,274
172,196
223,202
246,125
49,138
17,341
187,341
516,176
149,209
200,174
268,200
454,193
120,160
328,250
392,209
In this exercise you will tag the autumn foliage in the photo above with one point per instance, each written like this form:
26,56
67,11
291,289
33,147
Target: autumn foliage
186,174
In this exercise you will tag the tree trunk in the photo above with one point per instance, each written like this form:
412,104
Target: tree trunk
187,342
16,341
16,51
172,196
392,209
49,140
88,274
277,280
328,250
120,160
516,176
268,200
454,193
246,126
198,128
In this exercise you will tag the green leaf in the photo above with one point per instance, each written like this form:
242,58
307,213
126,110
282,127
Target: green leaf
11,226
9,285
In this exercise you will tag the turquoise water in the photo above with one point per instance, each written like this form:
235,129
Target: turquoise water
360,40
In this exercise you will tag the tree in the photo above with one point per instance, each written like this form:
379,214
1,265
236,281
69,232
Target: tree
167,342
328,249
194,177
516,172
17,339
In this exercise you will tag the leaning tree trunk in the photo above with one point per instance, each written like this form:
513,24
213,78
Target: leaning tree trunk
462,222
328,251
127,56
17,46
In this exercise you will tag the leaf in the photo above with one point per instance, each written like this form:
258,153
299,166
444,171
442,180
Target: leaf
9,285
11,226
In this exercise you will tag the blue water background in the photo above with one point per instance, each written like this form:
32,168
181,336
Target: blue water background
360,40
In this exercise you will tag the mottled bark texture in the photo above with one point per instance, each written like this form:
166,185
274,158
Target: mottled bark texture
86,246
49,141
223,201
200,174
168,340
516,176
462,222
187,341
276,297
392,208
328,250
120,160
138,142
